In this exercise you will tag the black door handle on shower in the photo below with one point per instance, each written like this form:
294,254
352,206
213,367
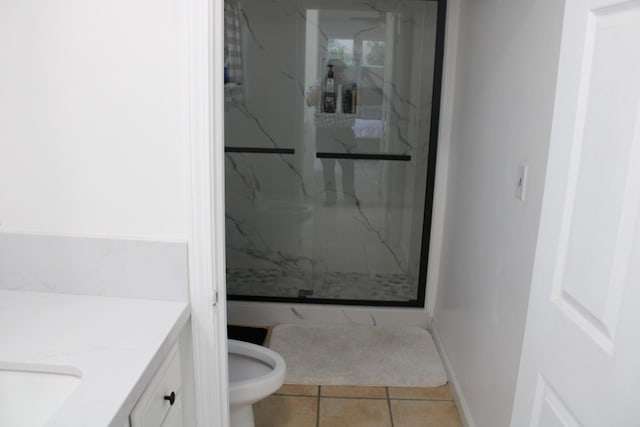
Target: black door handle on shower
259,150
363,156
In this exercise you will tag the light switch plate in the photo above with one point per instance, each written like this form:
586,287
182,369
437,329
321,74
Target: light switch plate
521,182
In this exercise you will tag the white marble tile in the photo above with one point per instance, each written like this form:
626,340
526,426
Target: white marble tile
381,259
346,256
94,266
245,312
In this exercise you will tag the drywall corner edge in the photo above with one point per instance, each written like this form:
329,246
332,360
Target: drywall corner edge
442,165
206,225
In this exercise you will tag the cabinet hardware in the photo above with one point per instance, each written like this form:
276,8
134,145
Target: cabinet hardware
171,398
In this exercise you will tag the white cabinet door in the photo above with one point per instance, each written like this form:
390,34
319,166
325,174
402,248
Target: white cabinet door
163,395
175,416
580,363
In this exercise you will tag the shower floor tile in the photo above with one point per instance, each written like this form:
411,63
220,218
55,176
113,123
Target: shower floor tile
329,285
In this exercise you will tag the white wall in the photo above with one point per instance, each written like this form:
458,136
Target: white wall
93,117
504,86
96,100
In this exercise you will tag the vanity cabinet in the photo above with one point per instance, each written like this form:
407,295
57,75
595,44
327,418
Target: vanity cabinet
135,356
160,404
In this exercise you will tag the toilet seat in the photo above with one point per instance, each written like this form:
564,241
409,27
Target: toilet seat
255,372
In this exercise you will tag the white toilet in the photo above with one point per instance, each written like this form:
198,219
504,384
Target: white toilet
255,372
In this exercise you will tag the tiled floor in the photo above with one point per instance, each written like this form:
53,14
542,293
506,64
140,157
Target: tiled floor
348,406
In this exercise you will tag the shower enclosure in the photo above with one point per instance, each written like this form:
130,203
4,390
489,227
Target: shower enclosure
324,205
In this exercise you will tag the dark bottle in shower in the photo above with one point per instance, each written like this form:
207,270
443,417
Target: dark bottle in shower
346,101
354,98
329,92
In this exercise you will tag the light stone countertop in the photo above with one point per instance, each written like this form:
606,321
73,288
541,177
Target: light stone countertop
116,343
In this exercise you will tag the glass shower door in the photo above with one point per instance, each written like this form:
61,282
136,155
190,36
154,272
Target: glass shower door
326,194
371,161
268,211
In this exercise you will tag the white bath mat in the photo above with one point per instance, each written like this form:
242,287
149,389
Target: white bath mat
358,355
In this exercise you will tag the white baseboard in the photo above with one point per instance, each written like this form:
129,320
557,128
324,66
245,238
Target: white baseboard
463,408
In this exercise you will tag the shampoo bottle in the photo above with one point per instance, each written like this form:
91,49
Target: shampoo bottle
329,93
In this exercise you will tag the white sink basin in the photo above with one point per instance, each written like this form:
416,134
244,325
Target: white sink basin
31,393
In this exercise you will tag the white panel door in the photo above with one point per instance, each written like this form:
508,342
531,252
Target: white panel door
580,363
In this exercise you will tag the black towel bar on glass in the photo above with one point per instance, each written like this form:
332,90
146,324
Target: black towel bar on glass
364,156
259,150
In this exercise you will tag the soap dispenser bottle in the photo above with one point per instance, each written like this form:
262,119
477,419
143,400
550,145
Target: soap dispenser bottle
329,92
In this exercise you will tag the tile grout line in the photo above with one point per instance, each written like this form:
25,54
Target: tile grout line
354,397
318,406
389,405
421,399
414,399
294,395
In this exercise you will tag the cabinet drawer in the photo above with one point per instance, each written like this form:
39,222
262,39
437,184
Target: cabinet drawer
152,407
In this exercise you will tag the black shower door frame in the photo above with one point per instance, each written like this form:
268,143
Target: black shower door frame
420,300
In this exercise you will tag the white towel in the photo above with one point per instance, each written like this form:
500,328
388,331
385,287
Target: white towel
367,128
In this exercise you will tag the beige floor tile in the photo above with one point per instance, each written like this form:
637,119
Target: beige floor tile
335,412
286,411
424,413
299,390
429,393
353,391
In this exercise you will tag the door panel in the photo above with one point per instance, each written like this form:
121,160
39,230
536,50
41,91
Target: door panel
549,410
579,362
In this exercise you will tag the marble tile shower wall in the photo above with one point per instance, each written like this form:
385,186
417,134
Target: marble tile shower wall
296,222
